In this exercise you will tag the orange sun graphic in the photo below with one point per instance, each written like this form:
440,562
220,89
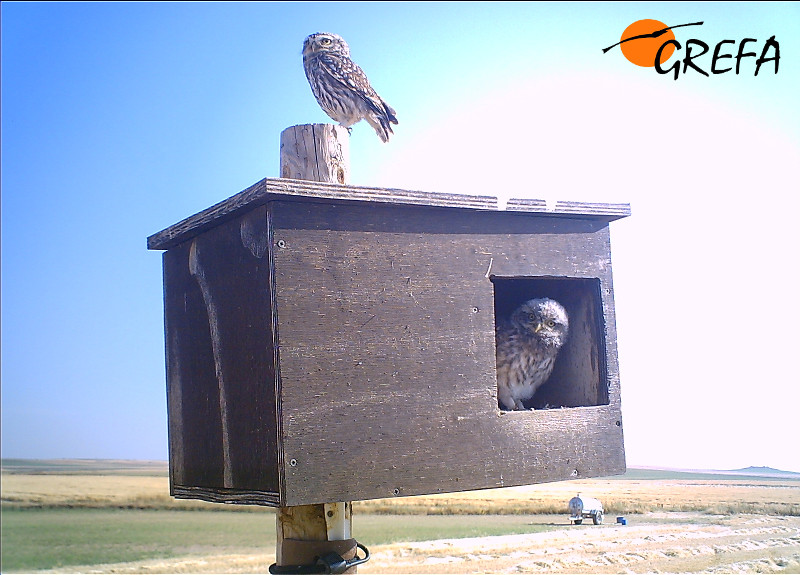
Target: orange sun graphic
642,51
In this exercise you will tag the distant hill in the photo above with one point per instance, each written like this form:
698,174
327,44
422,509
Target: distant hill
652,472
84,466
763,472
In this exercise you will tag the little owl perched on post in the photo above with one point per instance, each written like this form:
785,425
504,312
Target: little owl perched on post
341,87
527,345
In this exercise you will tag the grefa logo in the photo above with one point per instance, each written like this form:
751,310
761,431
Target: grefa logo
650,43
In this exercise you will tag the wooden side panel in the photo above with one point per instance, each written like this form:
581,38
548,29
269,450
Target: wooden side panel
386,330
220,364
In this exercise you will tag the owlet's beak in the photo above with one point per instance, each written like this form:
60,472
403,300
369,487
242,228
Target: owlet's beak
539,328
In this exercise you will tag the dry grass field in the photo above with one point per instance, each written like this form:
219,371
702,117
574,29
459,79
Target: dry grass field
624,495
677,522
619,496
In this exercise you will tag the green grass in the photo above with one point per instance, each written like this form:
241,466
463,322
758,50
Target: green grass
44,539
84,466
35,539
382,529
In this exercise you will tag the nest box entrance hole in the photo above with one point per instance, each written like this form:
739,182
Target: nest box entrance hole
580,375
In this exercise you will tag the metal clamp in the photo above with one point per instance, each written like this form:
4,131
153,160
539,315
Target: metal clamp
328,563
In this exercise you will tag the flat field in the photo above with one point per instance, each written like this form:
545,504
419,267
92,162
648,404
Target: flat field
105,517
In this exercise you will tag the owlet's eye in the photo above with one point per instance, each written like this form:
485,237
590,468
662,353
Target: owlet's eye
325,41
551,323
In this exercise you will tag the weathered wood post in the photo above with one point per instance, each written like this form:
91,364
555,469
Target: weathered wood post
320,153
316,152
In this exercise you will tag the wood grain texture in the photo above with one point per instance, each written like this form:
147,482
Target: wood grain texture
606,212
221,374
327,346
317,152
320,153
270,189
227,495
580,375
386,319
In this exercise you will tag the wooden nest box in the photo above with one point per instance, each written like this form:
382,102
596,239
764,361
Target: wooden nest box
337,343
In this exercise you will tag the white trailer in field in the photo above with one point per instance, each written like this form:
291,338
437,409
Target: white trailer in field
581,508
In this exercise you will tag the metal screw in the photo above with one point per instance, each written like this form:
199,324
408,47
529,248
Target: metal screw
475,310
293,462
396,491
281,244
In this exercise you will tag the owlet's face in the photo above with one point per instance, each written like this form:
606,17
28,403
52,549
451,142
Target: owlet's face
325,42
544,320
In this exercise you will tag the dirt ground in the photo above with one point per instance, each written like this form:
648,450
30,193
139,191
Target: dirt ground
672,543
649,543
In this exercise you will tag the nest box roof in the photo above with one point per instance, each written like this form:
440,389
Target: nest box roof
270,189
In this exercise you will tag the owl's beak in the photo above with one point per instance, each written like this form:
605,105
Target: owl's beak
539,328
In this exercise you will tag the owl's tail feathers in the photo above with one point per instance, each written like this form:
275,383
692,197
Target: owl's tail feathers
382,121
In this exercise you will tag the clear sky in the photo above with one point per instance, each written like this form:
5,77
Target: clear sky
121,119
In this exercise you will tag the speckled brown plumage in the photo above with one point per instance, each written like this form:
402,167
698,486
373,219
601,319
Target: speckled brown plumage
527,346
341,87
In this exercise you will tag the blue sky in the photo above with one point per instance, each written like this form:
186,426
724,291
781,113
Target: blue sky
121,119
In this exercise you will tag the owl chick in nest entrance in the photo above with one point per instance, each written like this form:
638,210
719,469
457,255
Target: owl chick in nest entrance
527,346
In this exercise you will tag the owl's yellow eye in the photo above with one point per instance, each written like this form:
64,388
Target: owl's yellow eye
325,41
550,323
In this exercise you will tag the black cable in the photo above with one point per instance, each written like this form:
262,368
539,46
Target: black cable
328,563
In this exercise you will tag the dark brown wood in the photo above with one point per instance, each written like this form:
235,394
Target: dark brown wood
321,153
606,212
580,375
270,189
222,379
227,495
328,344
387,351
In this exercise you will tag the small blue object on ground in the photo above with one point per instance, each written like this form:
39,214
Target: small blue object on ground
622,521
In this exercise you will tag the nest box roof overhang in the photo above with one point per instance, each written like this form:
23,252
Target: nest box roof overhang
272,189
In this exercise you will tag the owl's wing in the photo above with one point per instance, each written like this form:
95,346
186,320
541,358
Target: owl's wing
350,75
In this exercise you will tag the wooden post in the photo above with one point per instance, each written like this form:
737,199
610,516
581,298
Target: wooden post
320,153
316,152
